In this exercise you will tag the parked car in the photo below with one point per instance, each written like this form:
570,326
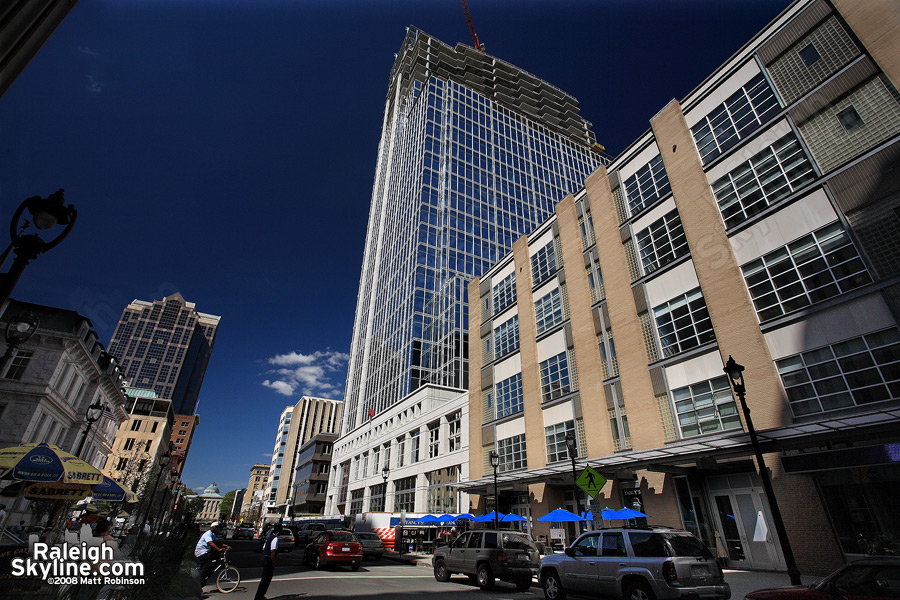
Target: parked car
243,531
489,554
286,539
334,547
870,578
648,563
305,532
371,544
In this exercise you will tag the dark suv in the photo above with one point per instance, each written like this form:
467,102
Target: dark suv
635,564
486,555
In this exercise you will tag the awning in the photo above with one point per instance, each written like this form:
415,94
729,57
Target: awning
681,455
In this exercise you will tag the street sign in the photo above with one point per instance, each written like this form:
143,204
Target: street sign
591,481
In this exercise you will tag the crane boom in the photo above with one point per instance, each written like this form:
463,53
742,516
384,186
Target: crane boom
478,45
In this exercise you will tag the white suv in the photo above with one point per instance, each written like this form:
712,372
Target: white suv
650,563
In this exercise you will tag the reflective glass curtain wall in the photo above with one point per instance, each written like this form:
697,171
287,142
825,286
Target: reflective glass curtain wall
461,175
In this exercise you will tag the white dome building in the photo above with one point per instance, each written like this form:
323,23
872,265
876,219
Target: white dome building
212,499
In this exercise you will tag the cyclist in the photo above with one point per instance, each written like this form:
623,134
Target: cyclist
207,551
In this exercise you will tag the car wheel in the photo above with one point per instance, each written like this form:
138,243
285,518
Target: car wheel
523,584
354,566
553,587
639,591
440,571
485,576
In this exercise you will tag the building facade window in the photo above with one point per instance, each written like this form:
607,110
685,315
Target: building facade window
555,380
506,337
136,425
509,396
401,450
512,453
504,294
647,185
555,436
662,242
129,444
454,423
856,372
767,178
18,364
543,263
356,501
405,494
376,461
413,446
818,266
434,439
734,119
608,361
683,323
376,499
706,407
548,311
441,498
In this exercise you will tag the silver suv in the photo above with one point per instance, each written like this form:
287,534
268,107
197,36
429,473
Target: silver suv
650,563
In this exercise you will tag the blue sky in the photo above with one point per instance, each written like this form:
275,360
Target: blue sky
226,150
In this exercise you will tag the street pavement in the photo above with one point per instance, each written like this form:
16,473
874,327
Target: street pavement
391,578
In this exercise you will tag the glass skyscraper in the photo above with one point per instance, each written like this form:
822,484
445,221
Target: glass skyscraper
474,153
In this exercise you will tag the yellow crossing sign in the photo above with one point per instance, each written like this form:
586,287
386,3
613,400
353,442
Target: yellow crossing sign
591,481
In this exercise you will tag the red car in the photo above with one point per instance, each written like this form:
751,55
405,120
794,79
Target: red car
873,578
334,547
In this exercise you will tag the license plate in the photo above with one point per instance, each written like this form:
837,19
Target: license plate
522,556
699,570
345,549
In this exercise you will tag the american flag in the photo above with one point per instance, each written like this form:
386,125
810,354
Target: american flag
107,414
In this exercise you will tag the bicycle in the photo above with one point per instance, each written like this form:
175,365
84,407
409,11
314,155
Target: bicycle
227,577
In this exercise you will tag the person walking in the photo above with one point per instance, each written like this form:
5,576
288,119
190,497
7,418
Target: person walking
207,551
270,549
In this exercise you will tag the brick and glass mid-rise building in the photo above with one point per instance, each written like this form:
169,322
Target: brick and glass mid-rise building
759,217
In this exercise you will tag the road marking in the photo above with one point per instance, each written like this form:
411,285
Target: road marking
343,577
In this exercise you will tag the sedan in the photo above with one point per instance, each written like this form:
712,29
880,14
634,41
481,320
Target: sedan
371,544
874,578
334,547
243,531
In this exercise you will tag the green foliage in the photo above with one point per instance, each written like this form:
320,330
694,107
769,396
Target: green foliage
227,505
194,506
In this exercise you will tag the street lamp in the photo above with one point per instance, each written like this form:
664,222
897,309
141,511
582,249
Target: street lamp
385,472
495,462
163,463
19,330
573,451
91,416
735,373
45,213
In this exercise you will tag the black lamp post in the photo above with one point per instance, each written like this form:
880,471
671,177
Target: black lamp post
163,463
573,452
19,330
385,472
45,213
495,462
91,416
736,375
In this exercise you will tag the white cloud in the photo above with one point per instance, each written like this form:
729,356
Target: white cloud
94,85
88,51
320,373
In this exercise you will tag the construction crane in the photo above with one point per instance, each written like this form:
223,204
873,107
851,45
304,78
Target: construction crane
478,45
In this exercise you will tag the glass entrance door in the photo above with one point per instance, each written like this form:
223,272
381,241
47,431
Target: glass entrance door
762,553
739,501
730,531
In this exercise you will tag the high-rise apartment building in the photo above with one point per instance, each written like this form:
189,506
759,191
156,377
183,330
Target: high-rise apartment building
165,346
259,478
474,153
758,218
297,425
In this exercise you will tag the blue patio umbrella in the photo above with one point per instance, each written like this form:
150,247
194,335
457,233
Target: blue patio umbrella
559,515
112,491
427,519
512,517
587,516
465,517
446,519
624,513
489,518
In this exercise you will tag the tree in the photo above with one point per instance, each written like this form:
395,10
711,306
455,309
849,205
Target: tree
194,506
226,505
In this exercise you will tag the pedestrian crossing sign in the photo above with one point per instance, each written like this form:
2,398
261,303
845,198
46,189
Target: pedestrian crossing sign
591,481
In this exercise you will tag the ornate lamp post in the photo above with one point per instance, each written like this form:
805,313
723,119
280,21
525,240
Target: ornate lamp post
45,213
163,463
19,330
736,375
573,452
385,473
495,462
91,416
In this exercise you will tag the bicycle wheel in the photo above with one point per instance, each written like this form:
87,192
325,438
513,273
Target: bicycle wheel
229,578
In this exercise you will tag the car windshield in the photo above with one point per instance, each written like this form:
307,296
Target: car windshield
367,536
685,544
512,541
342,536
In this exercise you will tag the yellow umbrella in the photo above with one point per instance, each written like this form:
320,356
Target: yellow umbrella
45,463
